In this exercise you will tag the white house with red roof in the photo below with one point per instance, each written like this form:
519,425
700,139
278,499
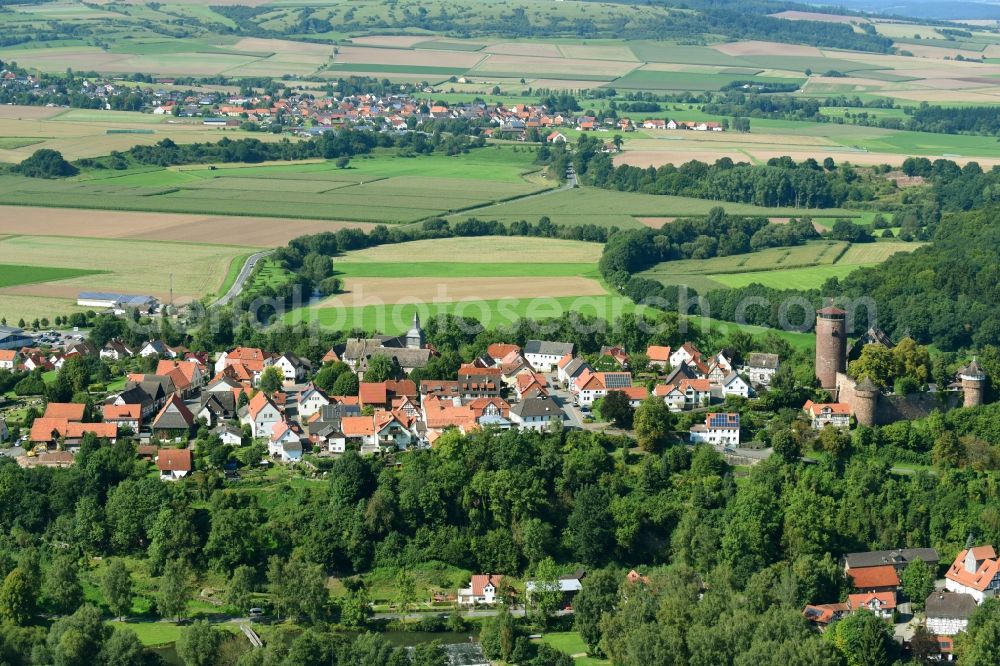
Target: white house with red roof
590,385
659,356
882,604
284,443
261,414
976,572
482,590
719,430
686,353
836,414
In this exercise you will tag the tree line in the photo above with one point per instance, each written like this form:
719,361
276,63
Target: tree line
779,183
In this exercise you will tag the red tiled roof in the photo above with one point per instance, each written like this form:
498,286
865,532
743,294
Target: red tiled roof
122,412
372,393
871,577
657,353
887,599
479,581
70,411
174,460
815,408
257,403
987,570
501,349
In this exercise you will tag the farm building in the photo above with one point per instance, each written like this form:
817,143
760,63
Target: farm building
116,302
14,338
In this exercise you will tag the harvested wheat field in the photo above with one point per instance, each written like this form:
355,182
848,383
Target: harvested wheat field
398,41
525,48
391,291
14,112
360,55
244,231
755,48
135,266
816,16
655,222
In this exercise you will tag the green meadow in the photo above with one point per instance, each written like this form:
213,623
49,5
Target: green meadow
12,275
395,319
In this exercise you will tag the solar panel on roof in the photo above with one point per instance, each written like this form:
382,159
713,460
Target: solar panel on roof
723,420
617,381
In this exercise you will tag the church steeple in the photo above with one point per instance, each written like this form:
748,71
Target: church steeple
415,336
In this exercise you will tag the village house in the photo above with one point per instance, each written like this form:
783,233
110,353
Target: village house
310,401
718,430
500,350
475,382
174,421
658,356
284,443
9,359
734,385
261,414
882,604
156,348
537,413
875,579
976,572
543,355
218,406
760,368
672,396
898,558
174,464
568,368
482,590
685,354
948,612
591,386
836,414
821,615
116,350
569,586
293,369
124,416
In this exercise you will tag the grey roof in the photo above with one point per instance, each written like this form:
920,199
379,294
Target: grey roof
950,605
682,371
124,299
135,395
898,557
360,350
576,367
535,407
766,361
338,411
548,348
221,403
973,370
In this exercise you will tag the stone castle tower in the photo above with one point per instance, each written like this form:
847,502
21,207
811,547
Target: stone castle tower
973,384
865,402
831,346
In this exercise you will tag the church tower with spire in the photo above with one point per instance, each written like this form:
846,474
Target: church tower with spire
415,336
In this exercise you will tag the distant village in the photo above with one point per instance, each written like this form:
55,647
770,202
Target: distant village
307,114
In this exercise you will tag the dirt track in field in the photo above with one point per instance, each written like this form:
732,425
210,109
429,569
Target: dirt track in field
246,231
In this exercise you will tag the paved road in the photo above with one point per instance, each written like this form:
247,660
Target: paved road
241,279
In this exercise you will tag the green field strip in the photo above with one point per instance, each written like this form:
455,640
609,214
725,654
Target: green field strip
394,319
447,270
13,275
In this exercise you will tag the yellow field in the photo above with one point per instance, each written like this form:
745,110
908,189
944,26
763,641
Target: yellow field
80,133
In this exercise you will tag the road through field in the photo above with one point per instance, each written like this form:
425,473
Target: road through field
241,279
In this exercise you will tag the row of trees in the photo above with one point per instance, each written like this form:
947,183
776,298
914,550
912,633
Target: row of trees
780,182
